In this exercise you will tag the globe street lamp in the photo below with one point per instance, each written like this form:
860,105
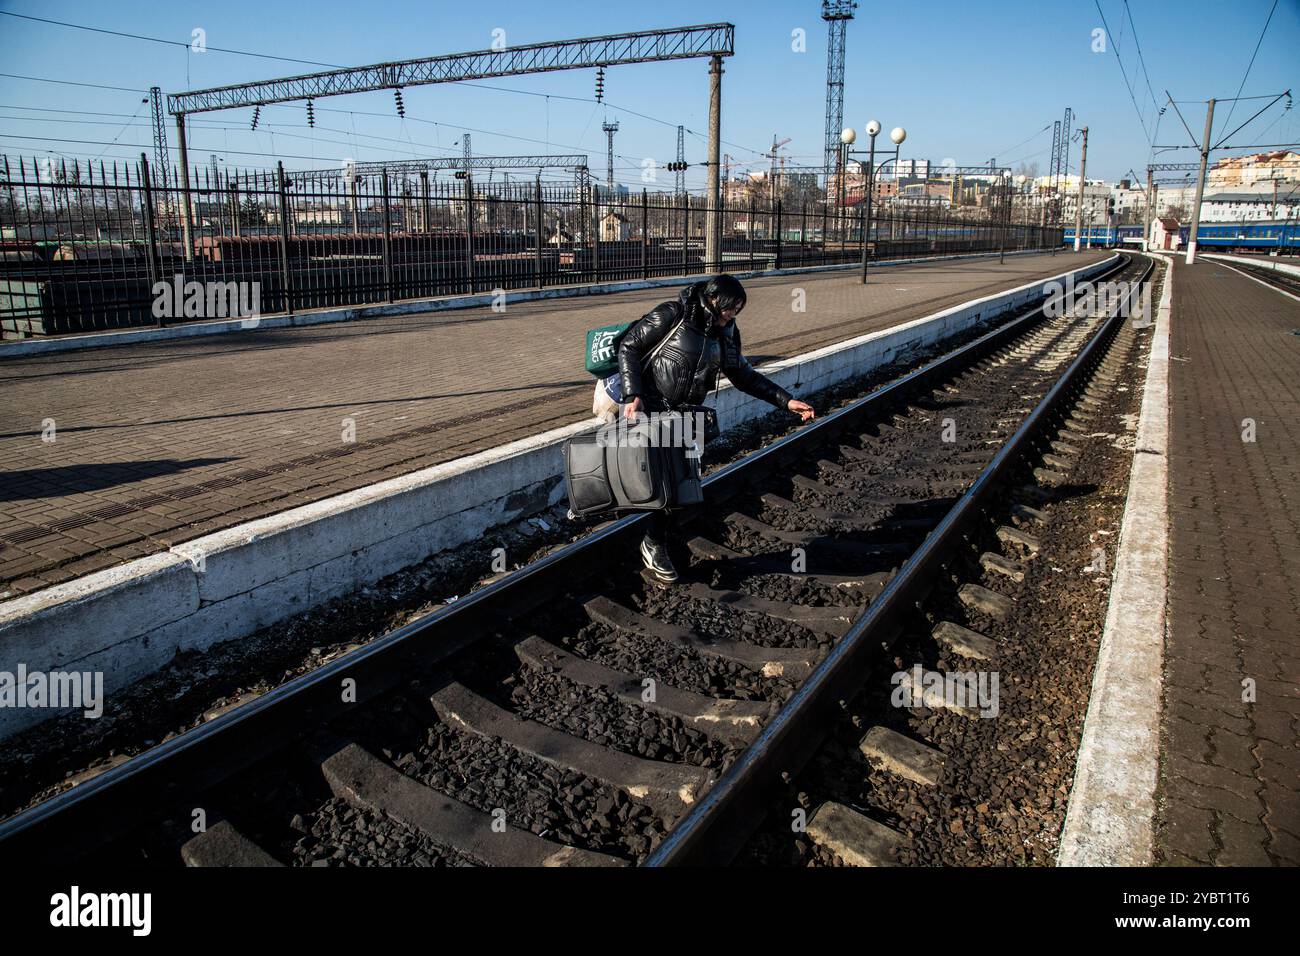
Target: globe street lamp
847,137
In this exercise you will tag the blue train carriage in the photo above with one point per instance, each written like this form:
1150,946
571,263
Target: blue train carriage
1098,235
1129,235
1279,235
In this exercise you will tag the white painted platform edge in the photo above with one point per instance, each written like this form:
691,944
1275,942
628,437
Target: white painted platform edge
24,348
1111,814
131,620
1259,262
1247,275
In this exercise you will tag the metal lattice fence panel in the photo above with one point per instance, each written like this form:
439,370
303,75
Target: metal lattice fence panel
92,246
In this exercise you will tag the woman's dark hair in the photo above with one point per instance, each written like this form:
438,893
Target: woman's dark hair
726,291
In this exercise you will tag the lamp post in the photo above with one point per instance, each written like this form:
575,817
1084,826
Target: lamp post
847,137
1011,205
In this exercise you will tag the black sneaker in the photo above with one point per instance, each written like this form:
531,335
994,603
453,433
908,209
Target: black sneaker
657,562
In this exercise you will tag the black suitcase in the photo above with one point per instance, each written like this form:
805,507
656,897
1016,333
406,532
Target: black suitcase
624,469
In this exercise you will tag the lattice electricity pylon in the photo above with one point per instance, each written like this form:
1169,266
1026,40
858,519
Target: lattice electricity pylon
679,184
837,14
645,46
161,160
1065,142
464,153
610,129
1054,164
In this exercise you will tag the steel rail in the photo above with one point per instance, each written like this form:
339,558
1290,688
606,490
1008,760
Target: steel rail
725,816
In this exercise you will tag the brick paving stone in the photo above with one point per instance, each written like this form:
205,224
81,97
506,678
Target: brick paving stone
1230,767
159,419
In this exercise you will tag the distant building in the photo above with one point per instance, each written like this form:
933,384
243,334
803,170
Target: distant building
1130,202
912,169
1282,165
614,227
1164,234
1245,206
1096,197
1265,200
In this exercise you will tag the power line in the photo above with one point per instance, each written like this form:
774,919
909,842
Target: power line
1009,149
124,128
273,155
1141,59
201,125
1287,94
98,86
1251,64
502,89
1124,73
137,36
50,109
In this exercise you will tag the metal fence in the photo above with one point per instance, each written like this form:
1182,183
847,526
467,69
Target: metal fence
91,246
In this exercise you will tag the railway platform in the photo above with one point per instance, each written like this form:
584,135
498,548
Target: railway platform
116,454
1229,789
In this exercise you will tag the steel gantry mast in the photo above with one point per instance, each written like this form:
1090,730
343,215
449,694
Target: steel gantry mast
398,167
837,14
713,41
679,182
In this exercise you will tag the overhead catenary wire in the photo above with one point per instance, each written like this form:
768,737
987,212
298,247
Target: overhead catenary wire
1129,86
136,36
1251,64
557,177
1226,136
126,35
1141,59
634,162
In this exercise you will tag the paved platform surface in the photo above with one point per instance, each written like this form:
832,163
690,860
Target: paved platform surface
158,443
1230,767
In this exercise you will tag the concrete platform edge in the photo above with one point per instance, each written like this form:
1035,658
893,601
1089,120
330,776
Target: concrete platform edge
1111,814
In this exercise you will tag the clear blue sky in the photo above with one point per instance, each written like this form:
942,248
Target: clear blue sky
968,80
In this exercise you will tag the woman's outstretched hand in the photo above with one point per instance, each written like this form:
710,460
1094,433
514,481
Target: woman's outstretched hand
802,409
633,408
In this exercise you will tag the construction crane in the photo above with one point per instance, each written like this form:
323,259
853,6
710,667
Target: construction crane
837,14
771,179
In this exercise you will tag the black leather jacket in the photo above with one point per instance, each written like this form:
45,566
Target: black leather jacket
685,370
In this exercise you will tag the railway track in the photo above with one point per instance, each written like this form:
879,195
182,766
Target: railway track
574,714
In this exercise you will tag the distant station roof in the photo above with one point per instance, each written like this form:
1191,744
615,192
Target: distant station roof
1244,197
